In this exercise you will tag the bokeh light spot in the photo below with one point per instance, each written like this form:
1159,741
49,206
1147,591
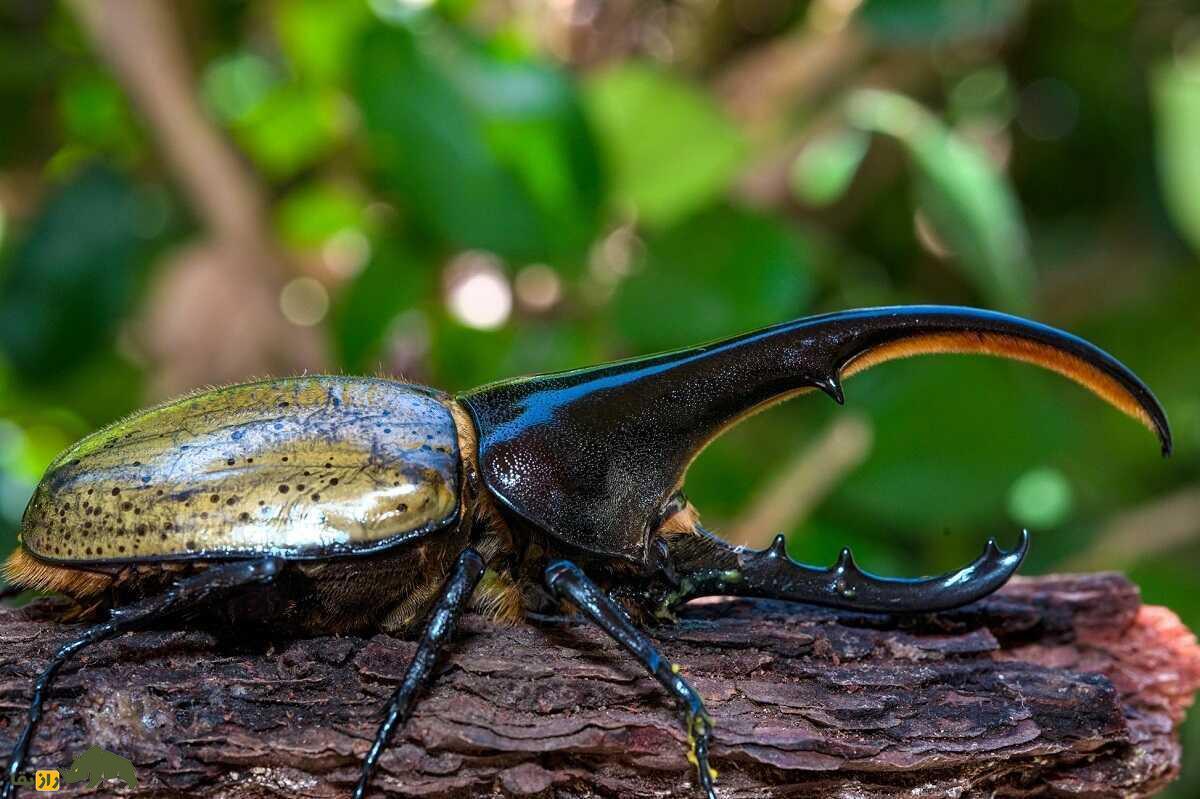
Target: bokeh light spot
346,252
477,291
304,301
1040,498
538,287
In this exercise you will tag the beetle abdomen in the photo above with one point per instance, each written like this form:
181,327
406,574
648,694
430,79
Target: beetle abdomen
299,467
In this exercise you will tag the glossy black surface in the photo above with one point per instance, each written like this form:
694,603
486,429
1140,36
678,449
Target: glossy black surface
726,570
591,456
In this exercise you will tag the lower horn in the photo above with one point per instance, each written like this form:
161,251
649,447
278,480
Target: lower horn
771,573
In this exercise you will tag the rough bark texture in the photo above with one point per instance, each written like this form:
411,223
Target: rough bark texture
1058,686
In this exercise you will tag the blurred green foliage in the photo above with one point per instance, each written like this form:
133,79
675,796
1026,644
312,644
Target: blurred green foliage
488,189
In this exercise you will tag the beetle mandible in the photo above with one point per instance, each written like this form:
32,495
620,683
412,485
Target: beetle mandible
353,504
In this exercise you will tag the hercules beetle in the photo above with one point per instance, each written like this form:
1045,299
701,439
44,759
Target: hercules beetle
345,503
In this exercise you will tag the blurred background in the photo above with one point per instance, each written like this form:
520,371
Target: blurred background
459,191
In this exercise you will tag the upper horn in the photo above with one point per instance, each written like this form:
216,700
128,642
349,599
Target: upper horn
591,455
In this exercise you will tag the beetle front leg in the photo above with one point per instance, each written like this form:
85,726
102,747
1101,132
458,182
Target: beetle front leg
455,596
567,581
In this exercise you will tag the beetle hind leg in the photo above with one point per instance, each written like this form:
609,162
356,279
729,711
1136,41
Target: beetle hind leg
454,599
187,593
567,581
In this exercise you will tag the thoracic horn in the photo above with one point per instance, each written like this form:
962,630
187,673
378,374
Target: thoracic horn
591,456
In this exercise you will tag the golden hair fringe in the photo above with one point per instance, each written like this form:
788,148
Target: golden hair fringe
25,570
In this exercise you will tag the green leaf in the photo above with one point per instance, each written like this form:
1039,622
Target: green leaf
670,149
721,272
394,281
292,128
235,85
490,152
74,277
318,36
824,169
915,22
95,114
308,216
972,206
1176,91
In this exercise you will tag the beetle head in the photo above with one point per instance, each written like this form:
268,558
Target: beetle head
594,457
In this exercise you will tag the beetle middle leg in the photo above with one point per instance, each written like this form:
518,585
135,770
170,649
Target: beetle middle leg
567,581
454,599
216,581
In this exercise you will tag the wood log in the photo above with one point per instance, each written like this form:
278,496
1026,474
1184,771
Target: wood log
1055,686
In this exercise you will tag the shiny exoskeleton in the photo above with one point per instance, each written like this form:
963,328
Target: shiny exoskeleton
356,504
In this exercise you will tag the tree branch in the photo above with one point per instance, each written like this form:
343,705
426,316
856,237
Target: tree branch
1057,685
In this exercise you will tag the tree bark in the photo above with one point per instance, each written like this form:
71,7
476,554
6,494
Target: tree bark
1056,686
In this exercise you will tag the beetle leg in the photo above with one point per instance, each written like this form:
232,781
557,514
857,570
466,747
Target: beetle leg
567,581
187,593
455,596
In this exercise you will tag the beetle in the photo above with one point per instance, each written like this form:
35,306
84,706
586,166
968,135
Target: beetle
328,504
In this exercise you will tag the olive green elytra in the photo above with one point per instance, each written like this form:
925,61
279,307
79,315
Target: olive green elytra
307,466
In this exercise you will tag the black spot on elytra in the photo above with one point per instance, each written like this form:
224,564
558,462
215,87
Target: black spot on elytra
316,497
126,505
230,461
244,516
190,544
283,489
284,404
403,508
121,548
333,481
300,486
231,501
215,498
116,491
284,459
